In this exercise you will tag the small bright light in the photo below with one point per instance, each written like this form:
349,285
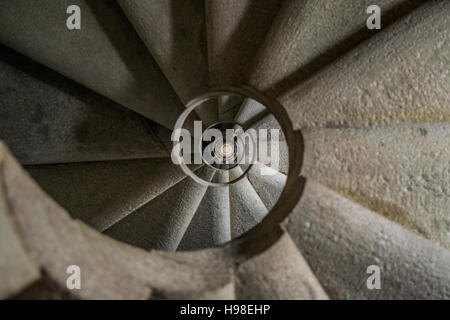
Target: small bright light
227,149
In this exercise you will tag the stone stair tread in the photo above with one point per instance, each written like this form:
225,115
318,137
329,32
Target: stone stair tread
340,240
17,268
106,55
269,122
228,106
267,182
399,171
47,118
102,193
236,29
246,207
289,54
174,33
169,274
210,226
278,273
249,110
161,223
55,241
225,292
344,95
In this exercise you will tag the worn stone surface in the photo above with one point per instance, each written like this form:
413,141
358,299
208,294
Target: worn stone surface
307,35
278,273
249,110
246,207
400,171
268,183
341,239
18,269
174,32
170,275
162,222
110,269
46,289
55,242
210,226
225,292
102,193
399,75
235,32
106,55
228,106
47,118
269,122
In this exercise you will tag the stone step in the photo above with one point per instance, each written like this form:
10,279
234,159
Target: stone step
170,275
17,269
174,33
225,292
161,223
399,171
268,123
278,273
102,193
47,118
290,54
375,83
55,242
236,29
228,106
210,226
267,182
106,55
246,207
249,111
341,240
109,269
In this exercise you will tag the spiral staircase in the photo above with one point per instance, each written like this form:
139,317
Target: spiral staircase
87,177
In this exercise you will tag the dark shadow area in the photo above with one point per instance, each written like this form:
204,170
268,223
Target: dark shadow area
50,77
62,83
243,46
134,54
188,33
31,111
122,35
